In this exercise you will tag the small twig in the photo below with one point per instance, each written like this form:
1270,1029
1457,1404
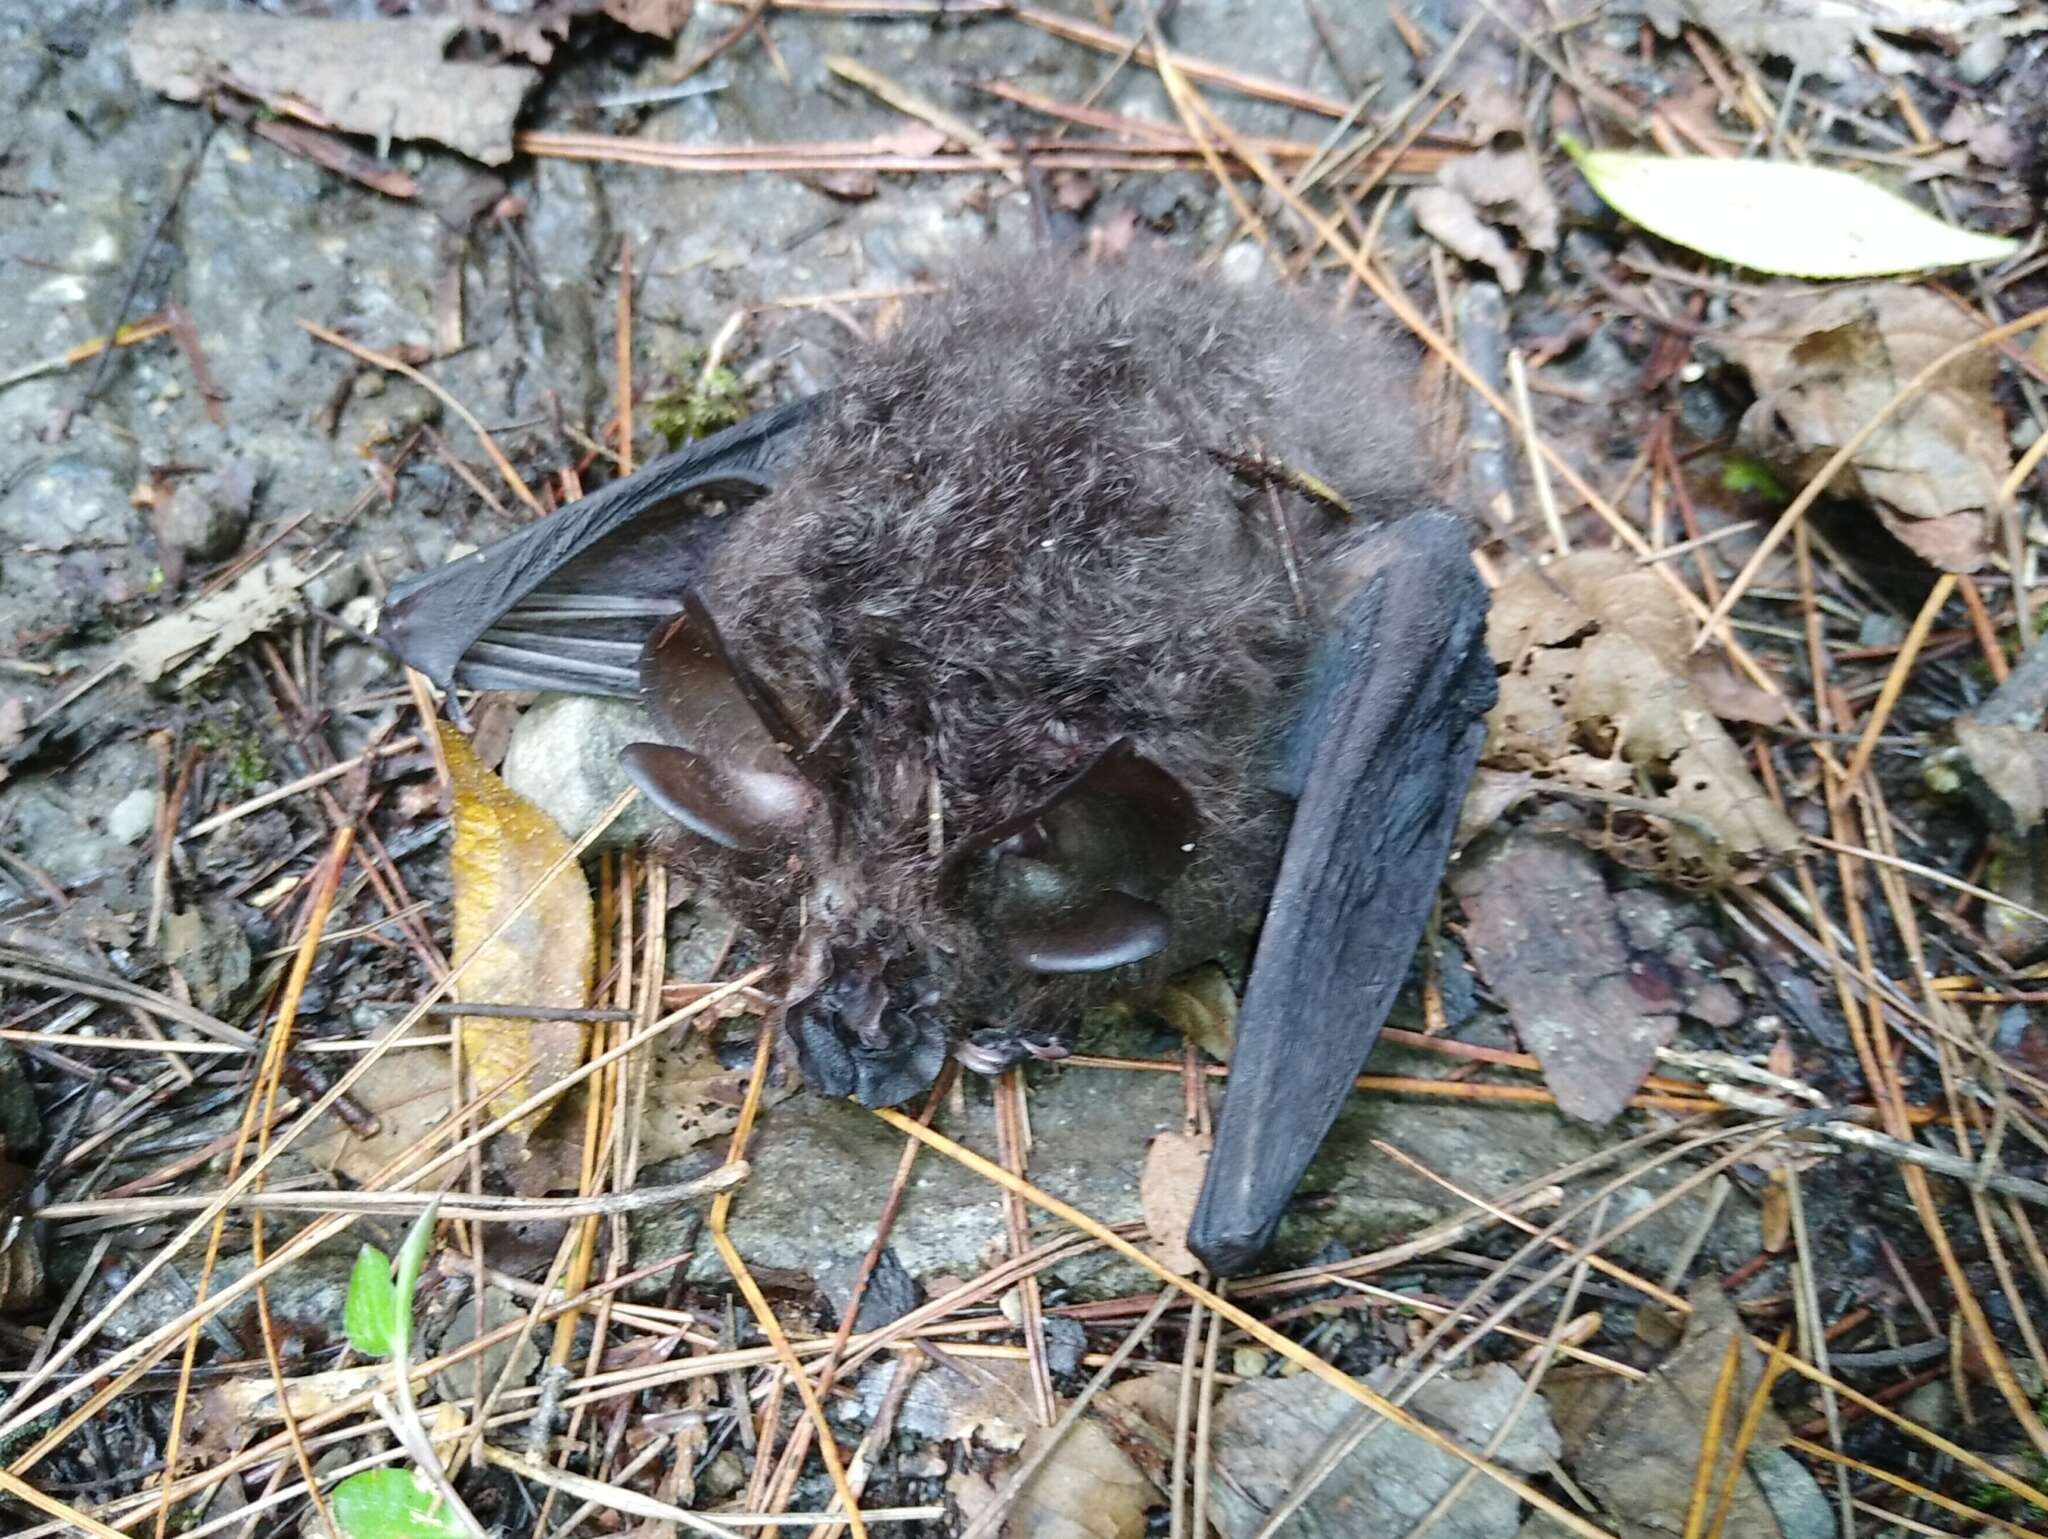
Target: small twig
141,263
481,1207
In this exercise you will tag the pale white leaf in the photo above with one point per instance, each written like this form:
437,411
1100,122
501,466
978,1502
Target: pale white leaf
1777,217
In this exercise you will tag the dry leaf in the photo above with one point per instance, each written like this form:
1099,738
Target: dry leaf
1824,366
656,18
1455,224
849,186
1820,37
1777,1211
1545,936
968,1399
1634,1444
692,1097
1598,695
219,623
914,140
1499,185
231,1412
503,845
1088,1489
1172,1180
2003,769
1269,1431
389,79
408,1091
1202,1006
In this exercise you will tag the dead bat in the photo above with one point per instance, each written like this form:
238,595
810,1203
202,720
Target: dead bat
1089,620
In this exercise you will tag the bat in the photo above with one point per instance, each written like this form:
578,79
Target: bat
1089,622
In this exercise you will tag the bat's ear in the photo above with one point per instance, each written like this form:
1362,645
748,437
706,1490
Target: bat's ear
727,772
1076,876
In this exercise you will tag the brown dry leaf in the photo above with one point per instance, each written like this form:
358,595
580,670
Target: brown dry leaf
1270,1430
1456,225
964,1400
1499,185
219,623
914,140
503,845
388,79
692,1097
849,186
231,1412
1732,697
1492,795
1599,695
1634,1444
1820,37
1544,934
1172,1180
1202,1006
408,1091
1776,1207
1824,366
1088,1489
2002,768
656,18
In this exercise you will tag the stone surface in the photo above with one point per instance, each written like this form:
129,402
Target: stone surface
133,816
564,758
822,1170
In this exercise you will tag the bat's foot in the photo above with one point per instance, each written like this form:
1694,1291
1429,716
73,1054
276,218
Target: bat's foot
996,1048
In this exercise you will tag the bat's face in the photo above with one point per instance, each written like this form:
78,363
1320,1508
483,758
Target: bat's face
900,931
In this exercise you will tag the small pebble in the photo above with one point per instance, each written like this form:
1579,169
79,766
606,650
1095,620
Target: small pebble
133,816
205,520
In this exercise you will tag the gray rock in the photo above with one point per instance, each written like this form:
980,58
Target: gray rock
133,816
207,517
564,758
1982,57
821,1169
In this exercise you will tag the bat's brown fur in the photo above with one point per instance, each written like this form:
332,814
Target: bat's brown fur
1008,540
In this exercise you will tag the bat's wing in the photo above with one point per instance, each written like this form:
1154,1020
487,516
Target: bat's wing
567,603
1378,762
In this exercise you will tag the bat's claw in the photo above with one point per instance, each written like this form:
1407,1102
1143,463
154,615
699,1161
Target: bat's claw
997,1048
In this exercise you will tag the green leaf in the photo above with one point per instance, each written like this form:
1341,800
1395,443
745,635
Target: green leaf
411,1256
390,1504
1741,473
1778,217
371,1315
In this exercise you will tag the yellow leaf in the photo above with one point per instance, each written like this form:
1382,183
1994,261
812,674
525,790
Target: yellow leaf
503,846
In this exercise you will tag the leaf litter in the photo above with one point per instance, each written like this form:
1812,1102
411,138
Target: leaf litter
1624,763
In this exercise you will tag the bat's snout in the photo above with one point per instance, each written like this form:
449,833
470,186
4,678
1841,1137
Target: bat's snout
857,1037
